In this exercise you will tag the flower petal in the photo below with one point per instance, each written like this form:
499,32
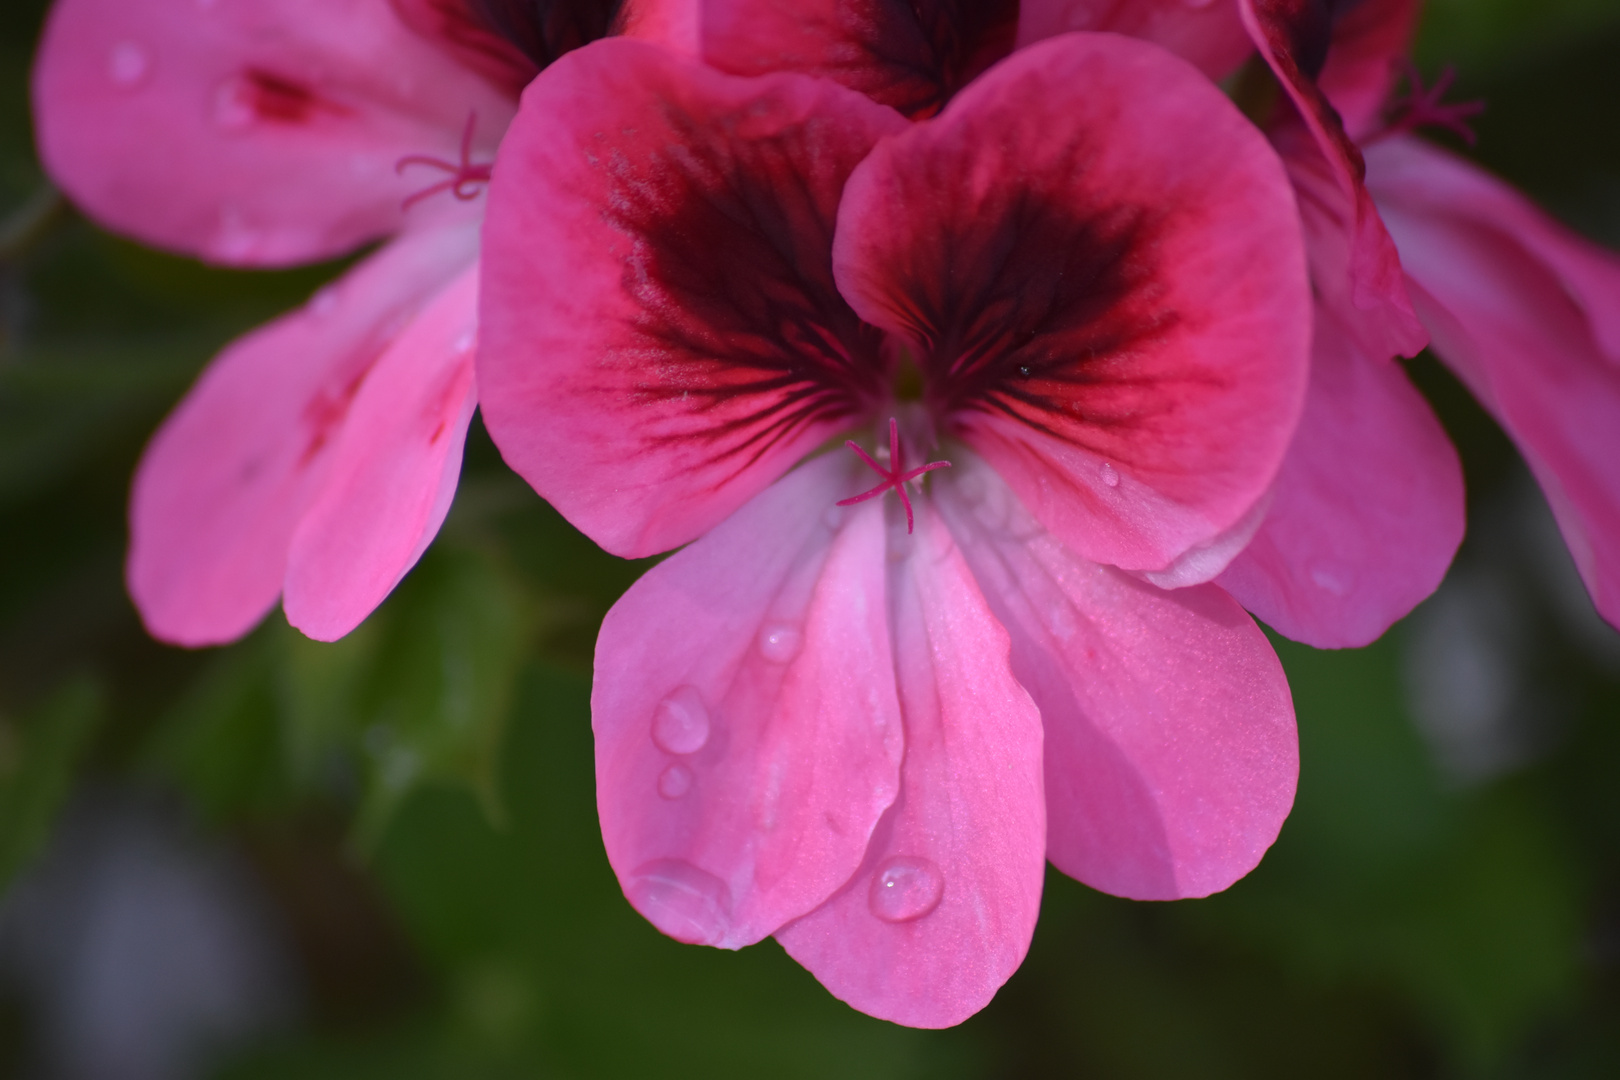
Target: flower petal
1171,753
1522,311
252,133
942,910
1353,261
1369,40
748,731
1209,36
1105,292
393,470
229,475
1368,509
911,56
661,335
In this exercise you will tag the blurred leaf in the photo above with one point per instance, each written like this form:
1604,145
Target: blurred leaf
38,755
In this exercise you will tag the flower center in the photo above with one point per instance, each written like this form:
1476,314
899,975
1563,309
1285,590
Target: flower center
894,477
466,177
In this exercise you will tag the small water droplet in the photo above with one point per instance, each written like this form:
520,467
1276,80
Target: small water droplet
324,302
680,724
675,781
688,904
1110,475
779,643
128,65
833,517
1333,577
233,104
235,240
464,342
905,888
1023,372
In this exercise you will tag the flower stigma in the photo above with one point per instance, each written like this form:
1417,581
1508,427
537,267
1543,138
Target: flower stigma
894,477
467,178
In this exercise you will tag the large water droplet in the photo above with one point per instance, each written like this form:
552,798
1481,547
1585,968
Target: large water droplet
234,104
128,65
675,781
779,643
1110,475
680,724
688,904
906,887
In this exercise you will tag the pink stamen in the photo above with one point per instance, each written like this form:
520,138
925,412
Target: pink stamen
892,478
467,178
1424,108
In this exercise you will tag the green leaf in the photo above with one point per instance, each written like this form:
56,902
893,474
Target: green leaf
38,755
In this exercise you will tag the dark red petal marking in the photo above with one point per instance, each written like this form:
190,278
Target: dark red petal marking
909,54
1101,290
510,41
279,99
662,333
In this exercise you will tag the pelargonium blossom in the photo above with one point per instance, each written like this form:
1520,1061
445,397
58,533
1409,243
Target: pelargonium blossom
1066,321
317,456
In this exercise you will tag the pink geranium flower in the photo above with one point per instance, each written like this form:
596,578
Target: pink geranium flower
317,456
862,723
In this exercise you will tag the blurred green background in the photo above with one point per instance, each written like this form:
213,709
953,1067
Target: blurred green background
403,823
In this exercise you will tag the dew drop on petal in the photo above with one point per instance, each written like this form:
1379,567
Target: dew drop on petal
235,239
1110,475
905,888
675,781
324,302
680,724
833,517
128,65
1332,577
688,904
779,642
464,342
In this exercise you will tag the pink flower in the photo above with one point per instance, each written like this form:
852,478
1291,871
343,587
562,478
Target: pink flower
317,456
818,721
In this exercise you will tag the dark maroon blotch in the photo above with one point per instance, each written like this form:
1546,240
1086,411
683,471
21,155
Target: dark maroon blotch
544,30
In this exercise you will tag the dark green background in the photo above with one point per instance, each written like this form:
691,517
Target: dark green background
417,800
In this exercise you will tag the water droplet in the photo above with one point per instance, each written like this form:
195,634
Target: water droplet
233,104
688,904
128,65
833,517
324,302
905,888
235,240
1110,475
1333,577
680,724
675,781
779,643
464,342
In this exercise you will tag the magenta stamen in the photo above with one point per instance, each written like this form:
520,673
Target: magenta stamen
467,178
892,478
1424,108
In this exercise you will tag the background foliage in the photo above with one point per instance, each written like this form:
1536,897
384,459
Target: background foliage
414,805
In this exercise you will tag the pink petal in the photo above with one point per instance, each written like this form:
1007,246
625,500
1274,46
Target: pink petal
1368,509
1210,36
942,910
1368,41
1105,291
1520,309
393,470
1353,262
748,730
911,55
1171,753
661,335
229,475
252,133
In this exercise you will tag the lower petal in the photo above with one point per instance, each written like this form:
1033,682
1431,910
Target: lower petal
225,481
943,908
393,471
1171,752
1368,508
748,732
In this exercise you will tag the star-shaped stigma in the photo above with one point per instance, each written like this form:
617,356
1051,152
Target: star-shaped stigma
467,177
894,477
1427,108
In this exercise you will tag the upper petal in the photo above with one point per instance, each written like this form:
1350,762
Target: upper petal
662,337
1522,310
1171,752
1353,261
748,731
1210,36
1368,42
393,470
251,133
909,55
228,477
942,910
1368,508
1105,291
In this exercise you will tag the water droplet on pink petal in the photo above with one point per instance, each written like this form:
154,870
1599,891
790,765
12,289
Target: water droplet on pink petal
680,723
905,888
